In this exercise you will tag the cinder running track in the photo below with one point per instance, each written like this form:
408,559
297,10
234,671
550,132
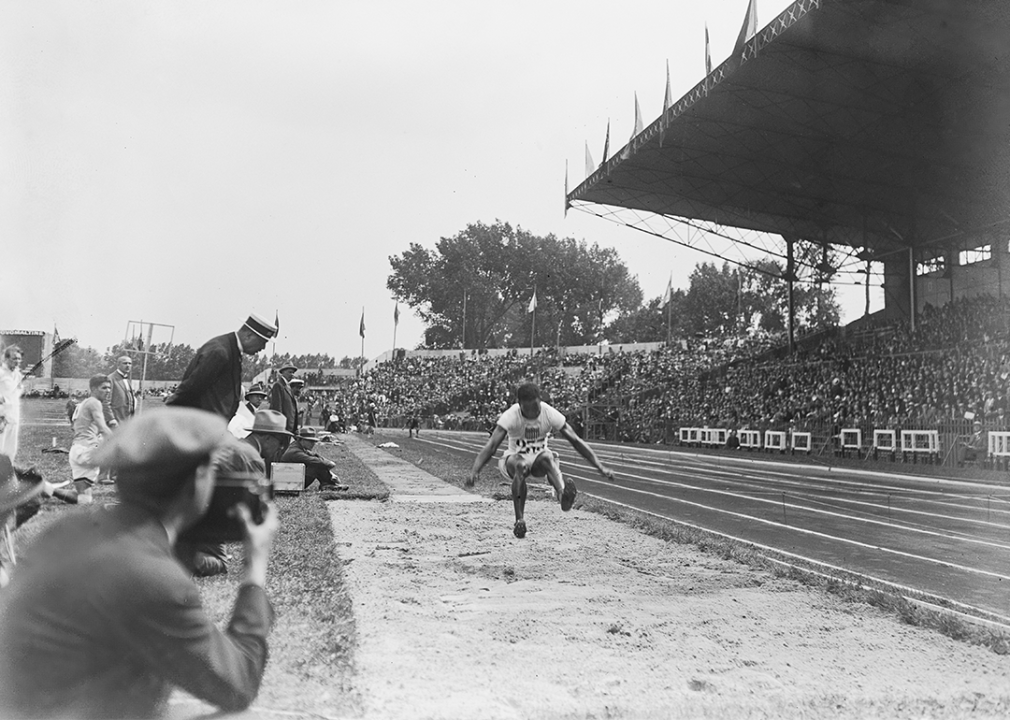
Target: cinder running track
937,540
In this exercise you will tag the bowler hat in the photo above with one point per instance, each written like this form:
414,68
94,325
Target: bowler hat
269,421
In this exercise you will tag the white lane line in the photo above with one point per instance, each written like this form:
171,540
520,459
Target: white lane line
790,505
805,531
744,484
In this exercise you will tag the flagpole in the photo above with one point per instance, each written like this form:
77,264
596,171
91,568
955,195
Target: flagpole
361,359
669,305
533,320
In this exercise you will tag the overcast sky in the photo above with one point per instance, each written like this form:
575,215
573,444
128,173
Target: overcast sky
190,162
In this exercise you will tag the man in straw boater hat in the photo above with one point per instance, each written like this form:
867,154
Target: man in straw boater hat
100,620
213,380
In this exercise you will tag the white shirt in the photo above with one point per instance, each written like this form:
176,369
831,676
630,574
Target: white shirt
530,436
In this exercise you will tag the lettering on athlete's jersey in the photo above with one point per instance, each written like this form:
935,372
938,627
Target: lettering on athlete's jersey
532,433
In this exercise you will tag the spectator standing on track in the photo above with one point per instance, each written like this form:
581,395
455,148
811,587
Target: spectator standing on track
213,380
122,402
528,424
282,397
297,384
10,401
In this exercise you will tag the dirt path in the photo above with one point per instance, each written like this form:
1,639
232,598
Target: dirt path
586,618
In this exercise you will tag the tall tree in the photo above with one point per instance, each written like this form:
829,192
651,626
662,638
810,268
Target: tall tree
479,282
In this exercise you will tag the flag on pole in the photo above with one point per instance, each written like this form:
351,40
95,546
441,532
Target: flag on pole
361,327
396,317
590,165
566,187
533,303
667,102
277,323
668,293
748,30
606,145
708,54
638,120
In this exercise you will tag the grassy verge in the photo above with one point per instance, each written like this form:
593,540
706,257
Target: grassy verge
312,646
449,466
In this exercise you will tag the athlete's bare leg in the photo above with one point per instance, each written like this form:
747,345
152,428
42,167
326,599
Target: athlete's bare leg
518,468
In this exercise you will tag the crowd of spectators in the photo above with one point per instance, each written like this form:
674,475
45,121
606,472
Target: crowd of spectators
954,366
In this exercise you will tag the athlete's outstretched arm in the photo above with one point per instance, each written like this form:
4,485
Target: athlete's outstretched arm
587,452
485,454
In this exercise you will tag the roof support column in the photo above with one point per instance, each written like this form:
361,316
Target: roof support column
911,289
790,277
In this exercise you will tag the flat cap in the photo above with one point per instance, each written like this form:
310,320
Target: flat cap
165,441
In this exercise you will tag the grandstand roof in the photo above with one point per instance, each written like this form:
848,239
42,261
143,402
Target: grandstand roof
876,124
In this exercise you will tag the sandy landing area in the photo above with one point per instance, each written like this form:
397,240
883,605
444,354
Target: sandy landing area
586,618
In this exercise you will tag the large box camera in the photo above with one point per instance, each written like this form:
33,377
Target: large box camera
220,524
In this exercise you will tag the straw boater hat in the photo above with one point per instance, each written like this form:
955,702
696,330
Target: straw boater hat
256,389
297,381
261,327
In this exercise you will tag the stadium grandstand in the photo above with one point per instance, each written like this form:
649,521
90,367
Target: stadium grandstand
874,129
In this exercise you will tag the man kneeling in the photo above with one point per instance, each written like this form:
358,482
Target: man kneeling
100,619
528,424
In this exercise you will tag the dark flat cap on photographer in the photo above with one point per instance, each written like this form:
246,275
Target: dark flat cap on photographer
269,421
156,451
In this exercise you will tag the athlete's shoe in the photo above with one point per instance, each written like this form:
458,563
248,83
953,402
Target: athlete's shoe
568,495
520,529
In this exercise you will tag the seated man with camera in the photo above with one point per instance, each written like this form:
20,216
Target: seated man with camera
101,620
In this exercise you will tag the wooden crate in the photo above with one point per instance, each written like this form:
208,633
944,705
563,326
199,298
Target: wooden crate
288,477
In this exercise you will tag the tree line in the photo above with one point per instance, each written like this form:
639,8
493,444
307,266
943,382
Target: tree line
166,362
474,290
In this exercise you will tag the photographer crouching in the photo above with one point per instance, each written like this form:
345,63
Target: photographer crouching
101,620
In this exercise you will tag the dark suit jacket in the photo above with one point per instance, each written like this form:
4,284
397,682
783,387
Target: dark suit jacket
101,621
213,380
282,399
122,403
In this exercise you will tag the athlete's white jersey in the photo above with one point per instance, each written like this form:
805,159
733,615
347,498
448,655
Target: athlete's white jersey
530,436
